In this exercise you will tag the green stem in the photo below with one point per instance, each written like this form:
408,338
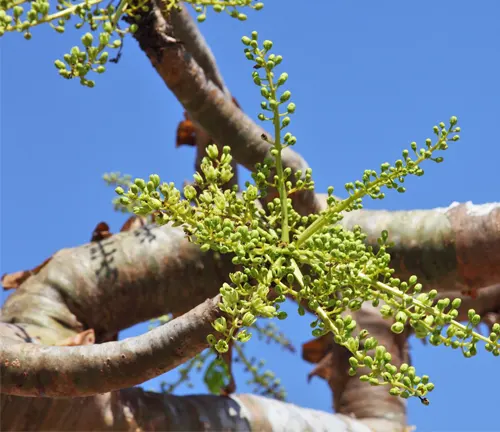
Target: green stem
118,13
285,235
403,296
320,223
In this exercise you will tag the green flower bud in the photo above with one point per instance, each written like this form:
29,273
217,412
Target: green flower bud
397,327
255,35
198,178
248,319
59,64
205,247
282,79
212,151
100,69
285,96
353,362
370,343
133,28
108,27
267,311
267,44
155,203
368,361
220,324
200,18
242,17
189,192
104,39
291,108
476,319
119,190
87,39
379,352
243,336
258,6
221,346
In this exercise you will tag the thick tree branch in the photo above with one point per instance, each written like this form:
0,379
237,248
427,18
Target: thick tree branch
115,283
134,409
450,249
43,371
186,30
137,275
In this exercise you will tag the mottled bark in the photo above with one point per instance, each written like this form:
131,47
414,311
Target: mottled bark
450,249
52,371
137,410
113,284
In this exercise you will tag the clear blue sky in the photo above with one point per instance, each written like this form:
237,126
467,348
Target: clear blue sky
368,77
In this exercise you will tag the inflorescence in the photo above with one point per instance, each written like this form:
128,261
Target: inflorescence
310,259
104,22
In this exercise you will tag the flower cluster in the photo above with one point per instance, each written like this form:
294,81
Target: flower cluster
310,259
103,22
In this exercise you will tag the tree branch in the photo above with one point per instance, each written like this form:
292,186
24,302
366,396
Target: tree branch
186,30
139,410
115,283
450,249
43,371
